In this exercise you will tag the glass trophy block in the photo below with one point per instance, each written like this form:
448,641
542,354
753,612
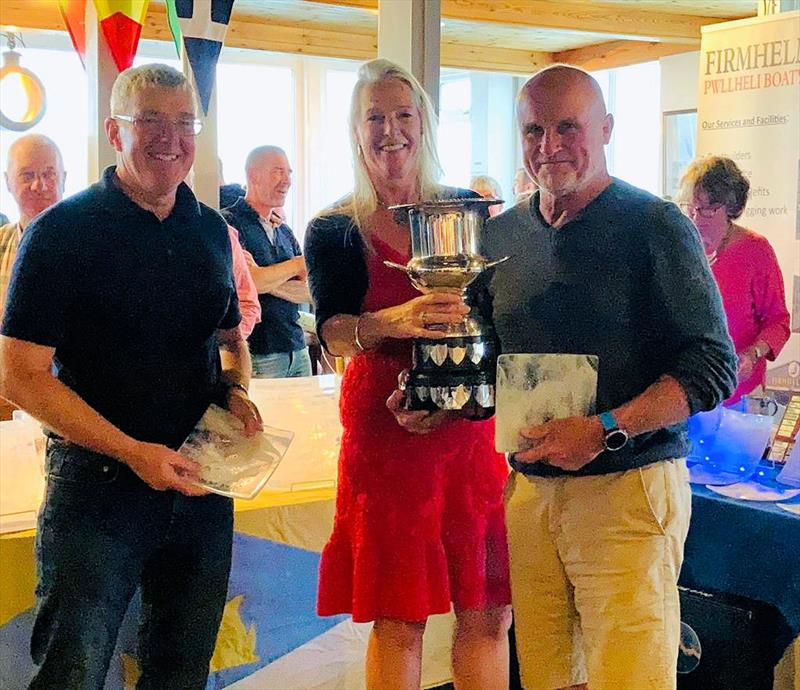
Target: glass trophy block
535,388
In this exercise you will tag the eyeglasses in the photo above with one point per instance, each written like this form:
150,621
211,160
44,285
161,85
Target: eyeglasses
153,124
28,176
702,211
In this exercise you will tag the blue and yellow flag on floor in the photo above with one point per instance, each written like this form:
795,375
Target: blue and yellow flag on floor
201,25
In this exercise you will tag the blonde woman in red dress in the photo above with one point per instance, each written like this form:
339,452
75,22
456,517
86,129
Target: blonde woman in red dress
419,514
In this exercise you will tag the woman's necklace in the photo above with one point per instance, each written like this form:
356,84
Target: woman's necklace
713,256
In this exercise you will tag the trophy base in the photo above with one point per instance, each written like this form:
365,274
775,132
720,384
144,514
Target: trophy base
469,393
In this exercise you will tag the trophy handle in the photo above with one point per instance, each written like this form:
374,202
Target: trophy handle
392,264
490,264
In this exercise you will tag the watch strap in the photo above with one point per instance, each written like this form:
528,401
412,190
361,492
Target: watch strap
608,421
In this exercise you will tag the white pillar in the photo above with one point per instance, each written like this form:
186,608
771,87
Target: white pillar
409,34
206,163
101,71
479,119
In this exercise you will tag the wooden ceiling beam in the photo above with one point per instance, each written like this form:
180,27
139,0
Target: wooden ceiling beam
619,54
492,59
31,14
252,32
243,32
619,21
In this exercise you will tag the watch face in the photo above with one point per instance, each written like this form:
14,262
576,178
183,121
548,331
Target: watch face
616,439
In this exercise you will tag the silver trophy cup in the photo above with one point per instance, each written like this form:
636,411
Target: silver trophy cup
456,372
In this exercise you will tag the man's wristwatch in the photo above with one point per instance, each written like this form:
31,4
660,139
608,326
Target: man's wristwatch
615,438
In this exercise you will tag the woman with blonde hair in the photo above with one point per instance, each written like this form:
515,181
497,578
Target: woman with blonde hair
713,193
488,188
419,515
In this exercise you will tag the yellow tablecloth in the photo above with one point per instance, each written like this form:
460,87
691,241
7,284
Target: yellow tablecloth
18,564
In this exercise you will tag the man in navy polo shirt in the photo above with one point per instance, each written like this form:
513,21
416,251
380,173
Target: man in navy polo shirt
277,344
120,329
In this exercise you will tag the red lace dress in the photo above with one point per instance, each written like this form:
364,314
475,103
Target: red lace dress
419,518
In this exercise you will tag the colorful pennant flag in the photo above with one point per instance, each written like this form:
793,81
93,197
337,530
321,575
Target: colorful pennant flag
202,26
73,12
121,22
174,25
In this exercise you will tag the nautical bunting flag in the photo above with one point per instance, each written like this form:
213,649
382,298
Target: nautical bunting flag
121,22
202,24
73,12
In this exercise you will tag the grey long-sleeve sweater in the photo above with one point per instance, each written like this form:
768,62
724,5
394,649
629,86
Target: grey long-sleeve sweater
627,281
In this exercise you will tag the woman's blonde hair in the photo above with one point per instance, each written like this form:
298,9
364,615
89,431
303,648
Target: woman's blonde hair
363,200
721,179
488,183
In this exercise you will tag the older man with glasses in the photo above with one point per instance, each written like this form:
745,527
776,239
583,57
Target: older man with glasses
125,292
35,177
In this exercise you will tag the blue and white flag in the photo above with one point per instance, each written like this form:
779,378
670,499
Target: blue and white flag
202,24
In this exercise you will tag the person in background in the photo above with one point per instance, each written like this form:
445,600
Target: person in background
121,329
713,193
523,186
277,344
246,291
229,193
598,505
35,177
488,188
419,516
3,219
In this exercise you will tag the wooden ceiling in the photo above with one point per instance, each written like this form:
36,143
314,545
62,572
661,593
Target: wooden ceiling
516,36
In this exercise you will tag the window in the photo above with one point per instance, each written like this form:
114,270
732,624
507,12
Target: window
477,129
680,145
633,96
455,127
255,106
65,120
335,167
302,104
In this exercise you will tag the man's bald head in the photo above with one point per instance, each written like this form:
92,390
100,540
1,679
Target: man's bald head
564,126
34,175
269,177
31,142
260,154
563,78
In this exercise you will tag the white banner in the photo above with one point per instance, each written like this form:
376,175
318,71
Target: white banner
749,110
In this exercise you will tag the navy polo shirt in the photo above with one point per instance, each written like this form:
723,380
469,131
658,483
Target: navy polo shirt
278,330
131,305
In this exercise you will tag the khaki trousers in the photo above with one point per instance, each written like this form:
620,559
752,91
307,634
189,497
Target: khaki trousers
594,572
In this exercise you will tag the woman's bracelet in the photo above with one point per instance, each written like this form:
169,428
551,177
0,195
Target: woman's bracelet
356,336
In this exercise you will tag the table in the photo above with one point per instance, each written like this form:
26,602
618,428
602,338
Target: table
270,638
746,548
752,550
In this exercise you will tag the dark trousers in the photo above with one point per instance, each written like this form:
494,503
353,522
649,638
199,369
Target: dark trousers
102,532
